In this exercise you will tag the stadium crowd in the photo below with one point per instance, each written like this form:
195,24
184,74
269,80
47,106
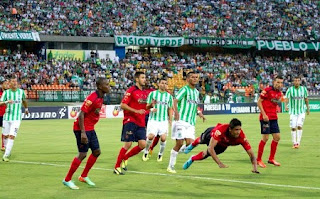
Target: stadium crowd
274,19
216,70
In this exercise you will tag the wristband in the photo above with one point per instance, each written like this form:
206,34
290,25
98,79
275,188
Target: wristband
151,109
198,112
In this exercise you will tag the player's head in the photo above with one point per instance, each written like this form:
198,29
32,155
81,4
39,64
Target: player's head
296,81
235,127
163,84
140,78
278,82
13,82
103,85
192,78
5,85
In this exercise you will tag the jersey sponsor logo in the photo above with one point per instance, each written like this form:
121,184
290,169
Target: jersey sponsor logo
297,98
217,133
142,101
88,103
162,103
192,101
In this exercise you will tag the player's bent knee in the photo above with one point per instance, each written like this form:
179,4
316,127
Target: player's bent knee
299,127
151,136
293,129
11,137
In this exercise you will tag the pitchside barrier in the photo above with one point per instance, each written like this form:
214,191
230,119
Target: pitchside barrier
114,111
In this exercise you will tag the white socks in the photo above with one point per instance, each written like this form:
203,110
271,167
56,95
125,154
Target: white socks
294,137
162,146
8,146
148,143
173,158
299,135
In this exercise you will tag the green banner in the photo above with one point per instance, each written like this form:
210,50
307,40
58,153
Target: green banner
287,45
220,42
313,105
19,36
148,41
62,96
65,54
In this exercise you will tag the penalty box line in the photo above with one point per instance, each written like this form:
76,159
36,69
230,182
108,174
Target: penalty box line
179,176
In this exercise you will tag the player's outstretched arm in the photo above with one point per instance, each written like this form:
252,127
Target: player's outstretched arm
253,161
213,143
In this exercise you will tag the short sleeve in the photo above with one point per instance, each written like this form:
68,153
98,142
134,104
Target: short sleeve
181,93
127,96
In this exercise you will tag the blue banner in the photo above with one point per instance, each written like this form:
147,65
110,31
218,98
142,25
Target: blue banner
38,113
236,108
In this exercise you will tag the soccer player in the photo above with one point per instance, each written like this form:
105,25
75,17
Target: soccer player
85,134
160,104
4,86
218,139
267,103
12,98
185,111
133,105
297,97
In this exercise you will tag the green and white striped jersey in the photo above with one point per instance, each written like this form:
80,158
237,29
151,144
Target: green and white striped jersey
164,101
13,111
296,98
188,100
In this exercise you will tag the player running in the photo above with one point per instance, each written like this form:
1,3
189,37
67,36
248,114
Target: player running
160,104
298,104
12,98
85,134
218,139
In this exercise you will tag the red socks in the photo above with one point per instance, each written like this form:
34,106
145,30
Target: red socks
260,150
154,143
91,160
196,142
74,166
121,155
134,151
273,150
199,156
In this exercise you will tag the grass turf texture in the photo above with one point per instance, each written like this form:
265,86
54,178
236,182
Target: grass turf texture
52,142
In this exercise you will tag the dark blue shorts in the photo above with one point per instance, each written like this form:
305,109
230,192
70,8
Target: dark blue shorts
269,127
146,119
132,133
93,142
1,121
205,137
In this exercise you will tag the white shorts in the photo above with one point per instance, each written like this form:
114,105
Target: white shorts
297,120
11,127
157,128
182,130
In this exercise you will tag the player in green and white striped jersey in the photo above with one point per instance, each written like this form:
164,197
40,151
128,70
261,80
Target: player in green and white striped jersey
160,103
298,104
13,98
185,107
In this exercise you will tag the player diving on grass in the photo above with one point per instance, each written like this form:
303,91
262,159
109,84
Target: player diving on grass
218,139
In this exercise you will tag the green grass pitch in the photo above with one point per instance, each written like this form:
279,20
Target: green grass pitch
44,149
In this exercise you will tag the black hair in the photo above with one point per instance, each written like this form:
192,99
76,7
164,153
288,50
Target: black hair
137,74
234,122
100,80
163,78
297,77
278,77
190,73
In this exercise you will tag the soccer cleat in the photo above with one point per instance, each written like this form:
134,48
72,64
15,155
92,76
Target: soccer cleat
297,146
118,171
70,184
159,158
3,148
171,169
275,163
145,157
187,164
261,164
5,159
86,180
188,149
150,153
124,165
182,149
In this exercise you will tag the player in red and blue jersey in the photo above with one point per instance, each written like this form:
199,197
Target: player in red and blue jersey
133,130
218,139
4,86
268,103
85,134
